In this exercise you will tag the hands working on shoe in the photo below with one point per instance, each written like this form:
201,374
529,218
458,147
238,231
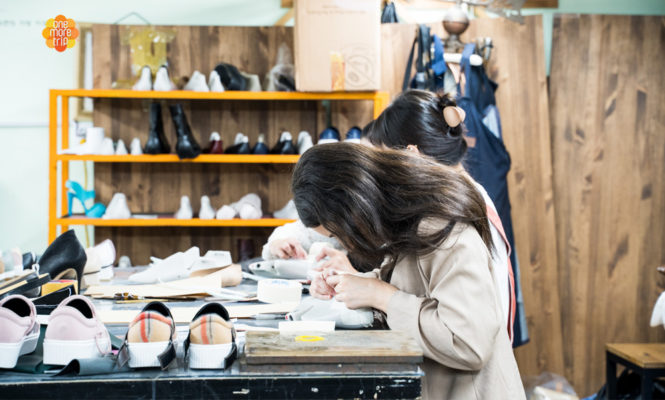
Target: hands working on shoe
339,279
287,248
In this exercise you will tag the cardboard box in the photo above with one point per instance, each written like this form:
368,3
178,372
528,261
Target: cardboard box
338,45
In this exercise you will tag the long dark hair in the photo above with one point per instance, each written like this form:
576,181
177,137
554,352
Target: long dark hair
416,117
374,200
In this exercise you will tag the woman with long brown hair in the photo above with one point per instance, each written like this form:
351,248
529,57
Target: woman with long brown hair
426,224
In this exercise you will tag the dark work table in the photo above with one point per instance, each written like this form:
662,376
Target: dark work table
239,381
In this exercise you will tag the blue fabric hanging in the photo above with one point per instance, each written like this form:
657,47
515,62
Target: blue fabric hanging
488,162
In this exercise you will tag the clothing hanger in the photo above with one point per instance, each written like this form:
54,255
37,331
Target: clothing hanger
455,22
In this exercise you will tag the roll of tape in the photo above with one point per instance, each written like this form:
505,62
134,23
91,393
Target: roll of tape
278,291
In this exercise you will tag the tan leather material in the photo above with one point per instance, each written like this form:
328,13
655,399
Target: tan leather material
210,329
231,274
149,327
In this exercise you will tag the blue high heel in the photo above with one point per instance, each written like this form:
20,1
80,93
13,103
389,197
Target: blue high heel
77,192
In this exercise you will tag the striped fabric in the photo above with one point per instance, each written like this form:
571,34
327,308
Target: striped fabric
150,326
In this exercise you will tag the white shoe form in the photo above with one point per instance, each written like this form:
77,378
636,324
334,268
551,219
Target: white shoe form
121,149
253,82
206,211
212,259
117,208
163,82
240,137
173,267
135,147
107,147
99,256
287,212
226,212
285,136
94,136
145,80
214,82
185,210
214,136
304,141
197,83
248,207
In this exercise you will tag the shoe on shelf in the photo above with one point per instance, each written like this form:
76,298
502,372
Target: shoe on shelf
174,267
226,212
287,212
211,340
248,207
19,329
157,143
206,211
77,192
135,147
329,135
214,82
231,77
353,135
94,136
304,141
75,331
260,147
185,210
216,146
285,145
117,208
253,82
240,145
197,83
186,146
163,82
64,258
151,339
121,149
145,79
107,148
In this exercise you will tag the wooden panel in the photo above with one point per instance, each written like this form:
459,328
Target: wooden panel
607,96
541,4
332,347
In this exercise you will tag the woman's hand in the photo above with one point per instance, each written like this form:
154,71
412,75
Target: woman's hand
357,291
287,248
320,289
337,261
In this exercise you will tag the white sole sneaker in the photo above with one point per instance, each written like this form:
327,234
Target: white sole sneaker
61,352
144,355
209,356
10,352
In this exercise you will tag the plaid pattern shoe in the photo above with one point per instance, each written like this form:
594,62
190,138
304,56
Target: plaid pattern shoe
151,339
211,341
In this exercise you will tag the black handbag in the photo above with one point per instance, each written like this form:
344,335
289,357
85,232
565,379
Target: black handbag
425,78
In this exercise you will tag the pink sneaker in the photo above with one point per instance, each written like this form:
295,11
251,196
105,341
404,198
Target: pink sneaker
19,329
75,332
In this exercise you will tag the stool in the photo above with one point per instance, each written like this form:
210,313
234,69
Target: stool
645,359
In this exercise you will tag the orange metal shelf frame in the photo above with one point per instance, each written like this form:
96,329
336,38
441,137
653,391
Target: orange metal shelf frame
380,100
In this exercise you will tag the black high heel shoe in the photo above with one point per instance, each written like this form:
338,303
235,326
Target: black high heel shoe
64,258
186,146
157,143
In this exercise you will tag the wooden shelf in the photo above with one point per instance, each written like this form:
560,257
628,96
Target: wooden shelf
170,221
228,95
172,158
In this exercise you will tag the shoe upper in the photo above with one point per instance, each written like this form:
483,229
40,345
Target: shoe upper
18,318
211,325
353,135
65,253
329,135
76,319
153,324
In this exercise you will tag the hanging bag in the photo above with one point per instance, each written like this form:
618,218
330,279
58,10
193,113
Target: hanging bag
430,68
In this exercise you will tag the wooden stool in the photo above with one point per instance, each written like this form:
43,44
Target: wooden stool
645,359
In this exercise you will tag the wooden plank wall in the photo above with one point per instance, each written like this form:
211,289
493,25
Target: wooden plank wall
607,96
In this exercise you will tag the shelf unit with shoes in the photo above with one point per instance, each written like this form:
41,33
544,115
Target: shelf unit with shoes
245,172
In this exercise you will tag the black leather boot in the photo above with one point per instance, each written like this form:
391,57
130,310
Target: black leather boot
157,143
186,146
64,258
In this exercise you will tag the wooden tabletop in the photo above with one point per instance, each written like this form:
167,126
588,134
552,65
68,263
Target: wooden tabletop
645,355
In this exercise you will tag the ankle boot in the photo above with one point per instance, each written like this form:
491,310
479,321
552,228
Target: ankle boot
157,143
186,146
64,258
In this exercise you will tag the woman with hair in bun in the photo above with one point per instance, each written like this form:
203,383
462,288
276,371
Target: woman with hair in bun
426,225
